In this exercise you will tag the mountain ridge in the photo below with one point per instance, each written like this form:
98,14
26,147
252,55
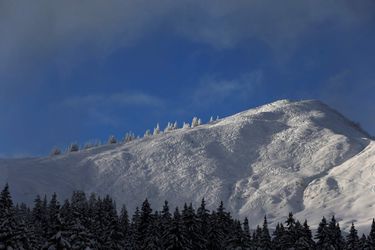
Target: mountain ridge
268,160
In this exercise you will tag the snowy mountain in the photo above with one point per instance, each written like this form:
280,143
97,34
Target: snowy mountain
285,156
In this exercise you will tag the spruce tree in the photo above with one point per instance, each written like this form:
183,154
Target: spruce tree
111,236
257,238
352,241
8,225
246,234
363,242
191,229
371,236
304,237
223,220
308,238
133,242
203,217
146,226
235,240
174,238
165,222
214,235
265,237
57,230
39,221
79,223
153,234
334,234
278,235
322,235
124,222
290,231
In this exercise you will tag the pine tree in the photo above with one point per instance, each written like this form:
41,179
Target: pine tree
304,236
334,234
147,133
352,241
363,242
278,235
265,238
39,220
246,234
56,230
175,125
223,221
322,235
133,242
185,125
215,236
191,230
157,129
194,122
174,239
165,222
169,127
153,234
235,239
8,225
111,236
371,236
73,147
290,237
146,222
124,222
203,218
310,243
23,236
80,236
257,238
55,151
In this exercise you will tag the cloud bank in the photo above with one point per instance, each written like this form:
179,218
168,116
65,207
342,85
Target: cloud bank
38,31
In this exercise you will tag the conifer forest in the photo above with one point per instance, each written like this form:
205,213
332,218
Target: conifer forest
94,223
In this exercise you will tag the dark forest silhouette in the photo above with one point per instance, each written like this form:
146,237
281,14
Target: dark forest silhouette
93,223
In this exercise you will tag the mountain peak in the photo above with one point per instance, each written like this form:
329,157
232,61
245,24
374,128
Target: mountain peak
271,160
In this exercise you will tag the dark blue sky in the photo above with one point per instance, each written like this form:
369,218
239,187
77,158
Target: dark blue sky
76,71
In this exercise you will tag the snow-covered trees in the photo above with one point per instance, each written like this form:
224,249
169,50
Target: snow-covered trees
74,147
112,139
93,223
157,129
186,125
352,240
55,151
8,226
147,133
129,137
195,122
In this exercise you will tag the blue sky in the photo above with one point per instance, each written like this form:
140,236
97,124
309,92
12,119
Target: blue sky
76,71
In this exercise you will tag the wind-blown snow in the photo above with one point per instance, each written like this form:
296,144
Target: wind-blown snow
285,156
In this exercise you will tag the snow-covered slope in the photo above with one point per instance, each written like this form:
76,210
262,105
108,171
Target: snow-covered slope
285,156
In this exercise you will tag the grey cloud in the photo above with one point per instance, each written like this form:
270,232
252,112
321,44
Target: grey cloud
42,30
